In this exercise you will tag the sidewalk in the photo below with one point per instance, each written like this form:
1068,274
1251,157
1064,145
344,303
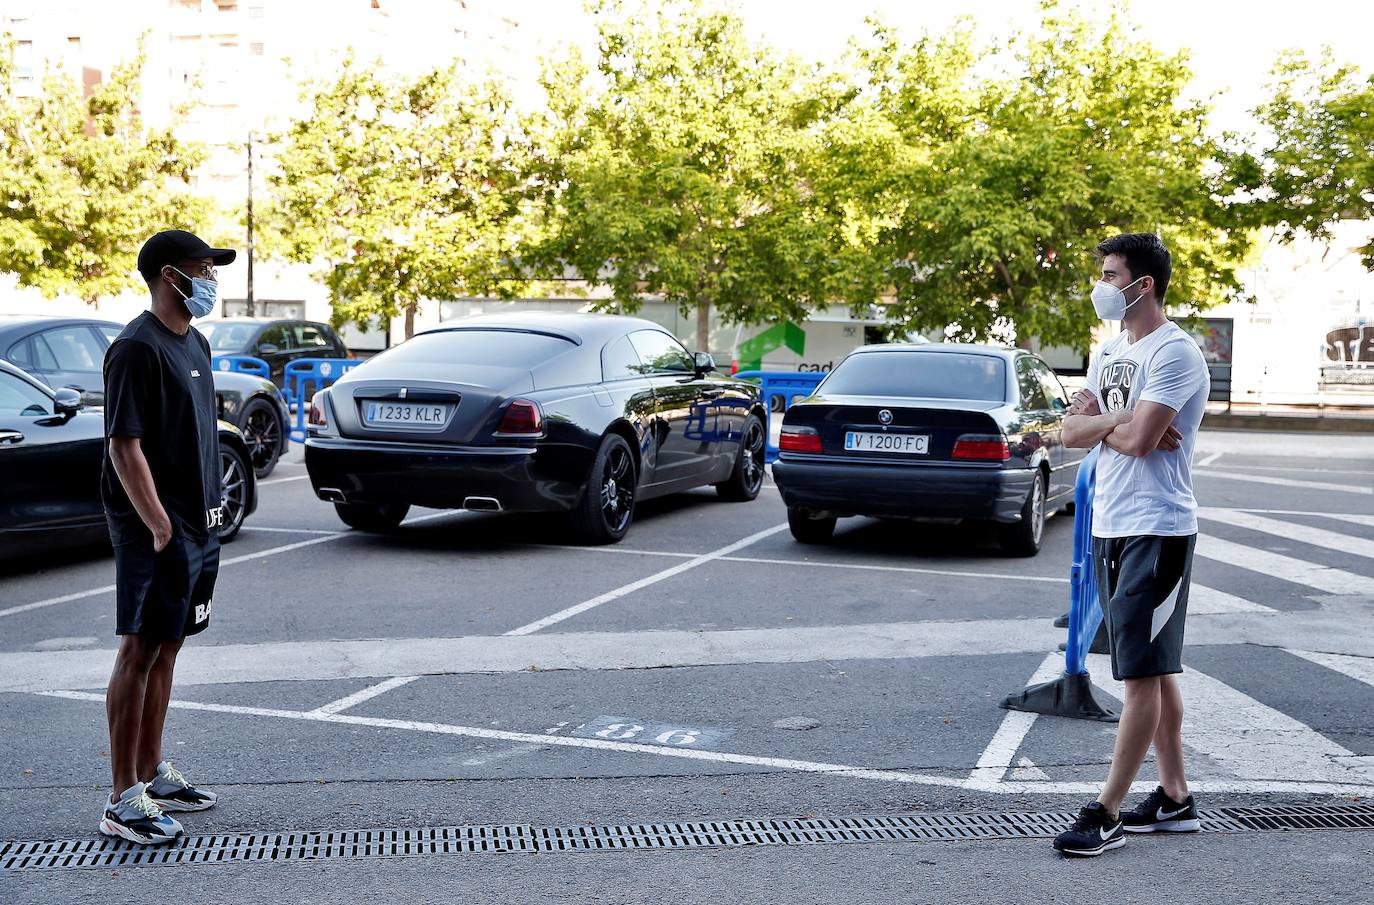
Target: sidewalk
1350,419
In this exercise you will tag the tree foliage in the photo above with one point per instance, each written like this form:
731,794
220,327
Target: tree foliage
689,163
404,189
1017,159
1315,164
85,181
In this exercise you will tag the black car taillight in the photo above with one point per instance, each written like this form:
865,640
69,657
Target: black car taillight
799,439
522,418
982,448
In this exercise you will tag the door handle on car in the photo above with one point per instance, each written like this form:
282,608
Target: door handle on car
11,436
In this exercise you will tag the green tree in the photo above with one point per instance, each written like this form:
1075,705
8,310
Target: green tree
405,190
691,164
85,181
1315,163
1019,158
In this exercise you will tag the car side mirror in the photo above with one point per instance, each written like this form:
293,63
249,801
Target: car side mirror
267,348
67,401
705,364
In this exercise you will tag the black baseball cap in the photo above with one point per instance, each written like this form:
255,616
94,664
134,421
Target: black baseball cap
172,245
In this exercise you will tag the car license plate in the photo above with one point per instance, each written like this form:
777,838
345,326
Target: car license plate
406,414
861,441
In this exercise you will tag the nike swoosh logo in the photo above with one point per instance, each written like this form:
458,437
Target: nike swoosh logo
1161,815
1106,833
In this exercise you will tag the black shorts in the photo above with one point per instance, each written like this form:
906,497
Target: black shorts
164,596
1142,583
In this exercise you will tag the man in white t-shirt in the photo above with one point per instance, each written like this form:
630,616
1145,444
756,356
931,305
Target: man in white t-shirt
1143,403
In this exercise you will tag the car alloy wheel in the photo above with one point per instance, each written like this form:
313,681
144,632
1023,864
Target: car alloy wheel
262,431
753,456
233,492
617,489
1038,510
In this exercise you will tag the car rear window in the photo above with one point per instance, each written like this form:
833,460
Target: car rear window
936,375
508,348
227,337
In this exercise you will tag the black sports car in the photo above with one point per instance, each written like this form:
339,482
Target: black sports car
50,454
579,413
941,431
68,352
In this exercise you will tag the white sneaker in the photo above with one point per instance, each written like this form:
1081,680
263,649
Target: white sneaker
171,791
137,818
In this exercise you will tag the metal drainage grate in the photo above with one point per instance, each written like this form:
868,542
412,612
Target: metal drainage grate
311,846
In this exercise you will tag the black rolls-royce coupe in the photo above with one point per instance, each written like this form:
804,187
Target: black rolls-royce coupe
538,412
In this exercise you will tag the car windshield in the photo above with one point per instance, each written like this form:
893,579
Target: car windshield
934,375
509,348
225,336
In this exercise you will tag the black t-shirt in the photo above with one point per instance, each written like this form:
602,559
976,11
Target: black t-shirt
159,388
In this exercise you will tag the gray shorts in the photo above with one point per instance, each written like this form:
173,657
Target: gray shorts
1142,583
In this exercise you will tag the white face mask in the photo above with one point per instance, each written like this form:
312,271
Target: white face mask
1110,302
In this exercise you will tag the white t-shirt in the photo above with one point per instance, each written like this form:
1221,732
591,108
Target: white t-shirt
1150,494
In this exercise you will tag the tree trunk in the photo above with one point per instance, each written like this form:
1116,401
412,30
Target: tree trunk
410,321
703,326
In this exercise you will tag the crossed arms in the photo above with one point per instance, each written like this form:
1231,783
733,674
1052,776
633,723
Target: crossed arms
1132,433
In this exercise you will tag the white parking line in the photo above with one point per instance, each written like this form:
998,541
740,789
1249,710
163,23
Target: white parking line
997,756
1319,537
256,528
299,477
365,694
1353,487
633,586
562,741
1209,460
722,757
951,573
1276,565
272,551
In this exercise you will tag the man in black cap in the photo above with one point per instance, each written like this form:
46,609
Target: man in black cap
161,488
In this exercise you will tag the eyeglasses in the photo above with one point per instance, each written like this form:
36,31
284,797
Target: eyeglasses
205,271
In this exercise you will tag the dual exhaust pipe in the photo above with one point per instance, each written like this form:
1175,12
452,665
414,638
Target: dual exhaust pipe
471,504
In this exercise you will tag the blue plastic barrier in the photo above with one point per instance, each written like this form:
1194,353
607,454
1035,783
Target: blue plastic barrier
790,385
307,376
1085,610
245,364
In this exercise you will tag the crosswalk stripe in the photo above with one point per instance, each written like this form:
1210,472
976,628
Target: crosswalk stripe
1284,482
1276,565
1354,518
1205,601
1320,537
1247,738
1359,668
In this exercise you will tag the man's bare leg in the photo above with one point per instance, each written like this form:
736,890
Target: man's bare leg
125,705
1139,722
1169,740
155,700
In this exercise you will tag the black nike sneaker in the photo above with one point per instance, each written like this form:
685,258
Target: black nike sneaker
1159,813
1092,833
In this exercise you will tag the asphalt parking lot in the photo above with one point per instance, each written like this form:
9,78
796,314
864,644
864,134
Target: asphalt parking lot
476,669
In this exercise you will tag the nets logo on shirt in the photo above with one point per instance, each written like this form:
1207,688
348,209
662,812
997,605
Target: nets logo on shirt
1117,379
